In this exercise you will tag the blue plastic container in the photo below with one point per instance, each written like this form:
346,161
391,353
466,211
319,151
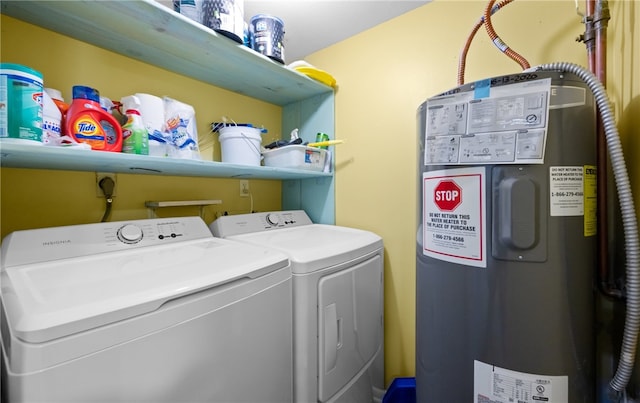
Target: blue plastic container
402,390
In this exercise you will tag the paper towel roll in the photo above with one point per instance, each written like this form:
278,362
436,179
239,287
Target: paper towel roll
151,111
152,114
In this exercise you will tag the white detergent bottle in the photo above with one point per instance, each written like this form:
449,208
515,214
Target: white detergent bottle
135,139
51,121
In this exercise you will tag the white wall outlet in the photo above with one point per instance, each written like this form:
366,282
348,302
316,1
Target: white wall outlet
99,177
244,188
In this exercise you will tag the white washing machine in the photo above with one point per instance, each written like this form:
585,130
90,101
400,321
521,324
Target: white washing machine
152,310
337,302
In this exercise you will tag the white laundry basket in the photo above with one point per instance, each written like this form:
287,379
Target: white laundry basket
240,145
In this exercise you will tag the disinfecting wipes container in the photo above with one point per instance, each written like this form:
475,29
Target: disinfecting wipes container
297,157
21,97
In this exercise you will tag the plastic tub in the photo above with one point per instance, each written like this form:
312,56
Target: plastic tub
402,390
297,157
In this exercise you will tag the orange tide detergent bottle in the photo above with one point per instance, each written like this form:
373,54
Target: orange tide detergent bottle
88,123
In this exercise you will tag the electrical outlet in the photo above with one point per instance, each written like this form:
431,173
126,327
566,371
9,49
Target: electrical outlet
244,188
99,177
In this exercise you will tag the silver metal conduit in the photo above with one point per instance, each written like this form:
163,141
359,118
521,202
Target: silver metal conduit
629,221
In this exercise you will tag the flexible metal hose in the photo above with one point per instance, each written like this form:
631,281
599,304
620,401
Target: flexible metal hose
629,221
465,49
498,42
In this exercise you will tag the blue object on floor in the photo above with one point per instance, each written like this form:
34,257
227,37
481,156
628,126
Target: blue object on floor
402,390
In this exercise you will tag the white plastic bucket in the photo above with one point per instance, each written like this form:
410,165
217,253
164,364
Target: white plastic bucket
240,145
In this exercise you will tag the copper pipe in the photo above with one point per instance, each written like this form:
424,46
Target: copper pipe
598,15
589,36
465,49
463,54
600,23
498,42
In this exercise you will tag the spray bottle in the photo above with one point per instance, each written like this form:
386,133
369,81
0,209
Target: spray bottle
135,136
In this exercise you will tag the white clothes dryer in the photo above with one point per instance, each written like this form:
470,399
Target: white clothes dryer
152,310
337,302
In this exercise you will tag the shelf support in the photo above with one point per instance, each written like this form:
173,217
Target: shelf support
153,205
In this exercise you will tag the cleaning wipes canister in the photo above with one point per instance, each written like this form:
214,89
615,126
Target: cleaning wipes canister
20,103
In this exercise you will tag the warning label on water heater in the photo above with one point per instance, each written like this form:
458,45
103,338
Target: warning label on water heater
453,220
573,192
493,384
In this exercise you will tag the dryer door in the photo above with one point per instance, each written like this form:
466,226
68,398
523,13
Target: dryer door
349,323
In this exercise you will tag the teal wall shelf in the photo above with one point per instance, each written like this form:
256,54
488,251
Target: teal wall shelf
43,157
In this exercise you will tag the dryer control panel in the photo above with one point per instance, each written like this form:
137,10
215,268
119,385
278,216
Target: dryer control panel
46,244
258,222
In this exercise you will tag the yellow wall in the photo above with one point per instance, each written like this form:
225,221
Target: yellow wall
623,82
39,198
385,73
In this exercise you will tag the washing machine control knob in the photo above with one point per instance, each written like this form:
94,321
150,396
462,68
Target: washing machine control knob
273,219
130,234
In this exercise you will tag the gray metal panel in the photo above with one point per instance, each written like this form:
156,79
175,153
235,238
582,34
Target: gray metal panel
519,211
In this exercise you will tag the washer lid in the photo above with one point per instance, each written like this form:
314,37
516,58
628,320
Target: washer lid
44,301
316,246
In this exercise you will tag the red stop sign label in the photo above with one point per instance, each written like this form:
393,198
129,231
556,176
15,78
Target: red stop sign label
447,195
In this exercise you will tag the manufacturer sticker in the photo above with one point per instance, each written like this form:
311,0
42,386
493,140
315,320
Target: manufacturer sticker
499,385
590,200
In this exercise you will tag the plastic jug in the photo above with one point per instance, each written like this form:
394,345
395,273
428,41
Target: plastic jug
51,119
88,123
57,98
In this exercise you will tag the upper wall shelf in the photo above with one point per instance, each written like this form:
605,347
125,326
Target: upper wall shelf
148,31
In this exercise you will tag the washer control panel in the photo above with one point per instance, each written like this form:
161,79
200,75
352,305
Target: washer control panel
45,244
162,231
258,222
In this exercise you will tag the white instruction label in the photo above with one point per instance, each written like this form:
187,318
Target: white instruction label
566,191
504,124
498,385
453,218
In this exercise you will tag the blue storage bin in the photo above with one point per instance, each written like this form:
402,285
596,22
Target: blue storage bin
402,390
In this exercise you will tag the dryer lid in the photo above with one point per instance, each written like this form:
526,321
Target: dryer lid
317,246
48,300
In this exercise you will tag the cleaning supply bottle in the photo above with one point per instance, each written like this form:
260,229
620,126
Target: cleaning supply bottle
51,121
135,139
57,98
88,123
